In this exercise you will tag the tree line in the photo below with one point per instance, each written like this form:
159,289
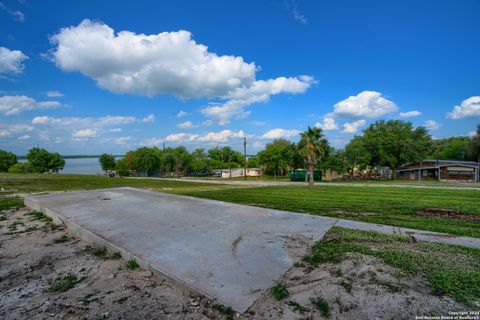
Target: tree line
383,143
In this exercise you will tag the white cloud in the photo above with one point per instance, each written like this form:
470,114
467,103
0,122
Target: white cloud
85,133
260,91
11,61
280,133
432,125
327,124
149,119
292,5
11,105
352,127
115,130
182,114
410,114
472,134
186,125
166,63
366,104
87,121
24,137
54,94
176,137
469,108
221,136
122,140
7,130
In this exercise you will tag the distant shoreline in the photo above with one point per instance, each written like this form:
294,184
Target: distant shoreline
76,156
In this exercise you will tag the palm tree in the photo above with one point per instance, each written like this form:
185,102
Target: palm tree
313,147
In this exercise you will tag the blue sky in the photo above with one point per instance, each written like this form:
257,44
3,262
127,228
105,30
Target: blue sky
90,77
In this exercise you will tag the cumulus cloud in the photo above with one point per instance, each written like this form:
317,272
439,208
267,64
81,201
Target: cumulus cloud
11,61
122,140
186,125
280,134
24,137
166,63
115,130
260,91
328,123
54,94
221,136
85,133
366,104
432,125
469,108
410,114
11,105
207,138
182,114
352,127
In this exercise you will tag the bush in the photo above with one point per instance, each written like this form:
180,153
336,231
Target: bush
20,168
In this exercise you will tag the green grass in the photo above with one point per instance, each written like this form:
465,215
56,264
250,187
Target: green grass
40,216
449,270
384,205
32,183
64,284
10,202
390,206
322,306
62,239
132,264
279,291
297,307
227,312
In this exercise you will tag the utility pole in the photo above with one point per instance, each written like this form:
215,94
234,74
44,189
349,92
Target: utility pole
245,158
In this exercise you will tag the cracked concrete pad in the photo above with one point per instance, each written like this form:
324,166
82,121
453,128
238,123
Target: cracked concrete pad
232,253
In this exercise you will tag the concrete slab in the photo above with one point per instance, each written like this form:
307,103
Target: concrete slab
232,253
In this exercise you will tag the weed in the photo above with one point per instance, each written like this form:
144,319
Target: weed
2,217
322,306
299,264
62,239
297,307
100,252
224,310
13,226
64,284
40,216
279,291
132,264
116,256
89,298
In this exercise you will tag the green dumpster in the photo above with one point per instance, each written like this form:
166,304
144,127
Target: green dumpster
299,175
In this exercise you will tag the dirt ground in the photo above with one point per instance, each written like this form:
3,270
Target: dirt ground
32,258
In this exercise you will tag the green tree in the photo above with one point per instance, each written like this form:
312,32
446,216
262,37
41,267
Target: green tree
107,162
121,167
334,160
40,160
454,148
272,159
474,145
253,162
146,160
7,159
199,161
356,155
394,143
20,168
313,147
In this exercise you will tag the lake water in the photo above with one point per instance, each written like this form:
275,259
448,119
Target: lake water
81,166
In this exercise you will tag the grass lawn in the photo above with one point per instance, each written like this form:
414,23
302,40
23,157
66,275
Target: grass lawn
390,206
33,183
449,270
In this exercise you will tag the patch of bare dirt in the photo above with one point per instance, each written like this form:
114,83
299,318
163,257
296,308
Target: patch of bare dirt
360,287
447,213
